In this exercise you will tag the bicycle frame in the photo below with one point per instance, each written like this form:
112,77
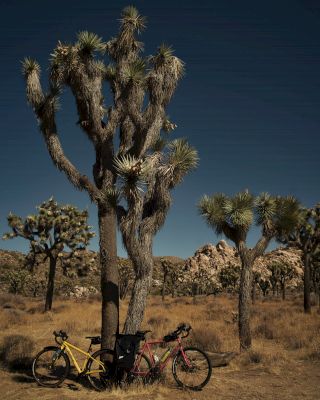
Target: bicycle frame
66,346
146,349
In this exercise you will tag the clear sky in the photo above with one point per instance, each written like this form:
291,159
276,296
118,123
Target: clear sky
249,103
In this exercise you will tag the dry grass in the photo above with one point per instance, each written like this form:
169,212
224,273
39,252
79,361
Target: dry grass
283,336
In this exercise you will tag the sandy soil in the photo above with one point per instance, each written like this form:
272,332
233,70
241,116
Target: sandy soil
300,380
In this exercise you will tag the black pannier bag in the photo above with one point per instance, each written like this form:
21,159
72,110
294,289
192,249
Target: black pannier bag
126,348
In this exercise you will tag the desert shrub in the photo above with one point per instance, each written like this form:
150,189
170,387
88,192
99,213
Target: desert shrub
10,317
16,352
17,280
294,341
65,286
252,357
206,338
94,297
264,330
9,300
157,320
39,308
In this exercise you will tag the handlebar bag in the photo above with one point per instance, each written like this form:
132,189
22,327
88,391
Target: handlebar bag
126,348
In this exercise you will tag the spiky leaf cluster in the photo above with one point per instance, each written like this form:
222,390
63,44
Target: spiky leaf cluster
306,234
234,215
89,42
181,159
131,19
52,228
132,172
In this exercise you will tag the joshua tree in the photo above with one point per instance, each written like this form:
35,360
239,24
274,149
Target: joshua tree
126,277
148,166
233,217
229,277
280,274
274,277
49,231
255,281
140,157
306,237
315,272
166,266
264,285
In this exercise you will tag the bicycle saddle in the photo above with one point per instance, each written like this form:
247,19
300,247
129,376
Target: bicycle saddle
94,339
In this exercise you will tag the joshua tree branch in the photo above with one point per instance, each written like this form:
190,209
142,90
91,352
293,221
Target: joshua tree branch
261,246
64,164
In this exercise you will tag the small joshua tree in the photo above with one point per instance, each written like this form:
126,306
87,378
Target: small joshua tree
229,277
166,266
306,237
281,274
126,277
49,232
233,216
264,285
315,272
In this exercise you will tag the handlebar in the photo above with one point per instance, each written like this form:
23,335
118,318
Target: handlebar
180,329
183,328
61,334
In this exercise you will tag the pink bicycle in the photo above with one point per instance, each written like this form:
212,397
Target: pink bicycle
191,367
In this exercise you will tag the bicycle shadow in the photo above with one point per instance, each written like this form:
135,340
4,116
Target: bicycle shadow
73,381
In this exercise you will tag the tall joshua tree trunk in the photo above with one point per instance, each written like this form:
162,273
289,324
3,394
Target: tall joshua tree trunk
138,300
109,275
245,300
307,283
143,266
50,286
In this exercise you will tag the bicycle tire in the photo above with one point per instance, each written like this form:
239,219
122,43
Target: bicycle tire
51,366
199,361
140,371
103,377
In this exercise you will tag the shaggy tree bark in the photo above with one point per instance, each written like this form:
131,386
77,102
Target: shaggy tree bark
109,276
244,306
306,283
248,257
50,286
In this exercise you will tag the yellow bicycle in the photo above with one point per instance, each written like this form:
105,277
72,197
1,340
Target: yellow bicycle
52,365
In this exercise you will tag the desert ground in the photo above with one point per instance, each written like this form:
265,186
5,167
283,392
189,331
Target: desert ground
284,362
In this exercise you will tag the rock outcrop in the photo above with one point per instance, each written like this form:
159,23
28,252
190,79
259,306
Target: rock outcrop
210,259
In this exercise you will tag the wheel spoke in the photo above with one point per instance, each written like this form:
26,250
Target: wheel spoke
50,367
100,371
193,370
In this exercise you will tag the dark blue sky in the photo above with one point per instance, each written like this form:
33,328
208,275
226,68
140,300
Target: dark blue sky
249,103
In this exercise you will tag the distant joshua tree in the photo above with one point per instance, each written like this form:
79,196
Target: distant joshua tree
134,180
306,237
167,267
281,274
264,285
126,276
233,216
315,272
49,232
229,277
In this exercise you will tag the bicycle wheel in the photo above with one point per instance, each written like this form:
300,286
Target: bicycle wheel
140,371
194,371
51,366
100,369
